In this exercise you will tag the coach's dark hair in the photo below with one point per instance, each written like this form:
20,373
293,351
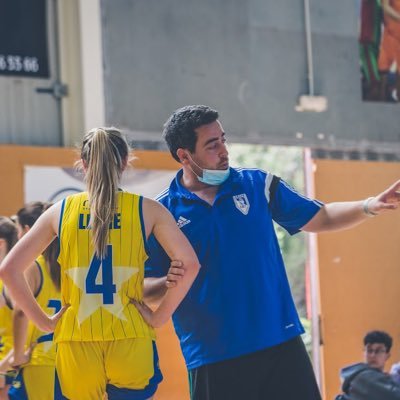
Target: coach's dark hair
8,232
28,215
179,129
379,337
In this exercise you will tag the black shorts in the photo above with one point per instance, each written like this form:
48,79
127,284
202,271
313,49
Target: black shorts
282,372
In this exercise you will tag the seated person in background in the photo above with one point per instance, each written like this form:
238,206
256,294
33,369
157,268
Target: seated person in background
395,372
377,346
368,381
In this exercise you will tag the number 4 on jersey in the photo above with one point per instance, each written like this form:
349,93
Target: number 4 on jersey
107,287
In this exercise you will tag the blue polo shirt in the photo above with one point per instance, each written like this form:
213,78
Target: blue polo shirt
241,301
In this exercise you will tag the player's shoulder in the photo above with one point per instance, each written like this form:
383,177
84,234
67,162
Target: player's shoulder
164,196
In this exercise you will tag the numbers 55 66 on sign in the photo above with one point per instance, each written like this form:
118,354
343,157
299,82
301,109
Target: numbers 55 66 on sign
13,63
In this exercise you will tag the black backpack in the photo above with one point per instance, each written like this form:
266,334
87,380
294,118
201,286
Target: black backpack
361,382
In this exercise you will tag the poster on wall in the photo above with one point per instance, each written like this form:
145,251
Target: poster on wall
55,183
379,47
23,38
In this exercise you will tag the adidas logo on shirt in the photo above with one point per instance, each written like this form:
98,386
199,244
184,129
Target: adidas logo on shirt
182,222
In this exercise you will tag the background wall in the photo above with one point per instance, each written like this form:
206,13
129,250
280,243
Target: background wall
248,59
358,269
13,159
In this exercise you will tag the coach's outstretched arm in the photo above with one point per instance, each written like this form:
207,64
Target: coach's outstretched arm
343,215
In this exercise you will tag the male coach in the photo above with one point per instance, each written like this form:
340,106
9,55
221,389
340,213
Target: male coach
238,326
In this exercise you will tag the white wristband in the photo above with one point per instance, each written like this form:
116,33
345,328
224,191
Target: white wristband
366,209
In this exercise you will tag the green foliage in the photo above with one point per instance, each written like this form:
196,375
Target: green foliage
306,336
286,162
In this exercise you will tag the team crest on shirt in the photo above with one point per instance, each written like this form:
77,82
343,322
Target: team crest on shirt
242,203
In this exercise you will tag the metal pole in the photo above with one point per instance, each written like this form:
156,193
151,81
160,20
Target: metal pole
310,65
57,67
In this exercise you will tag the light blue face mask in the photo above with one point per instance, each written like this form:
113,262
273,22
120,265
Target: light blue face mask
214,177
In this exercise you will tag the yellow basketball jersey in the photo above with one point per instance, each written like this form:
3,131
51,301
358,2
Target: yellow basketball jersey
99,290
49,299
6,333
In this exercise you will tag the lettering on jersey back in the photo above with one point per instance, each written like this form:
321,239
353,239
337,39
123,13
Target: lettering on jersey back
85,218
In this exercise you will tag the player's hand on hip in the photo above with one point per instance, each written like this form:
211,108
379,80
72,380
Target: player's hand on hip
53,320
17,362
175,273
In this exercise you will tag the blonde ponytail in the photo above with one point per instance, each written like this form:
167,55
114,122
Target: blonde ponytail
104,154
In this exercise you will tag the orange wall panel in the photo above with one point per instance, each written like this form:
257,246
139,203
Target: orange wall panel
14,158
359,270
12,162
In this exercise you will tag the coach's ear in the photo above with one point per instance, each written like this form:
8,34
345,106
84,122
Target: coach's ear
183,156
